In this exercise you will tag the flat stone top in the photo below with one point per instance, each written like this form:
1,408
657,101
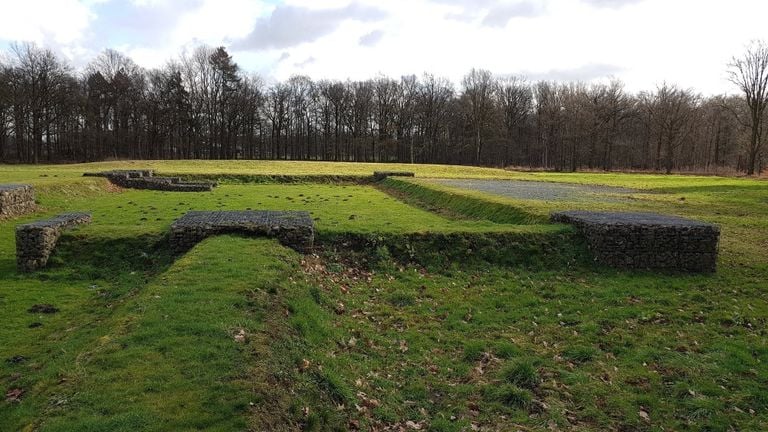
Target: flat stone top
121,173
243,218
630,218
58,220
394,173
13,186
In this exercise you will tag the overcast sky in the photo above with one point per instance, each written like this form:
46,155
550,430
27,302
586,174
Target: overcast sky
642,42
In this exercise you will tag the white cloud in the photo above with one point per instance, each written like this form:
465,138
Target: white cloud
215,21
54,21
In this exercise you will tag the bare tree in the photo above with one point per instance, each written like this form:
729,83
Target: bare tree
750,74
478,86
515,99
673,112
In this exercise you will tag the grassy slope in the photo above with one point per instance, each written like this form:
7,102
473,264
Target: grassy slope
572,346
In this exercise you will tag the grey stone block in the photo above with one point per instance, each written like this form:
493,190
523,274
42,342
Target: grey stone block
145,179
35,241
646,240
381,175
294,229
16,200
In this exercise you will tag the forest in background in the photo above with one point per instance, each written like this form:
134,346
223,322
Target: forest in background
202,105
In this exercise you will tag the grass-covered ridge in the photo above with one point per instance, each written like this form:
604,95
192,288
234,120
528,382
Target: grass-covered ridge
462,204
405,318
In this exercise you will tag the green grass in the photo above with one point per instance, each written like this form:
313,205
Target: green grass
444,313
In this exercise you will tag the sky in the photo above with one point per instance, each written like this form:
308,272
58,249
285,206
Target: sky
641,42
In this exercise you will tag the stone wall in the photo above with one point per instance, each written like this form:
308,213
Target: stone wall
16,200
646,240
35,241
381,175
145,179
294,229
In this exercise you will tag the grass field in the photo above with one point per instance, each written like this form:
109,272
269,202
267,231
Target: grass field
425,307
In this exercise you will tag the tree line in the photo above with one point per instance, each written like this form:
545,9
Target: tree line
202,105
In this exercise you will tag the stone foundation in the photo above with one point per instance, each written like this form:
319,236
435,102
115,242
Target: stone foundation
294,229
646,240
16,200
35,241
145,179
381,175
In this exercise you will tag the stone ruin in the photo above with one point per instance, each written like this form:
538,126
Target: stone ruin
16,200
381,175
145,179
35,241
646,240
294,229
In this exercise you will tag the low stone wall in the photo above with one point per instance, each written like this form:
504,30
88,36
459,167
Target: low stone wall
35,241
145,179
646,240
381,175
16,199
294,229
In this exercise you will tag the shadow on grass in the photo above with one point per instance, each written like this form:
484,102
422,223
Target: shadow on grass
120,260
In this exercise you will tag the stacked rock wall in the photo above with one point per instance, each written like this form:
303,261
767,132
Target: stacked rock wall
646,240
294,229
145,179
36,241
381,175
16,199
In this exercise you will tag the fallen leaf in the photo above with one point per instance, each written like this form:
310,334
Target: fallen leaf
14,395
644,415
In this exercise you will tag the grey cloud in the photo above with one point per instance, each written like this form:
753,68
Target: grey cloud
284,56
371,38
587,72
289,26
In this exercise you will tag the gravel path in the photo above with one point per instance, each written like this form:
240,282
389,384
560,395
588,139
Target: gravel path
544,191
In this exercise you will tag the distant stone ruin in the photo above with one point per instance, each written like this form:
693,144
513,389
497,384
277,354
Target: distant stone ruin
145,179
16,200
35,241
646,240
294,229
381,175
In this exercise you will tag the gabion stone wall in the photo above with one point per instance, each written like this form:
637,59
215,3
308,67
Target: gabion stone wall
294,229
646,240
381,175
145,179
35,241
16,199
